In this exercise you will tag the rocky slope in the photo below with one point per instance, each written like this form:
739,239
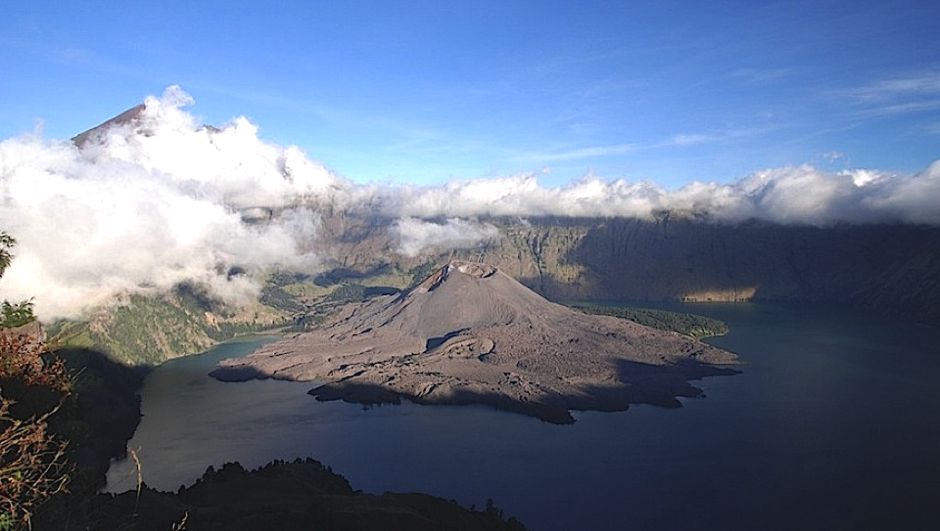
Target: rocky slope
471,334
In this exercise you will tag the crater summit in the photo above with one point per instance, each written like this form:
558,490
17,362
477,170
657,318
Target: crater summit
470,334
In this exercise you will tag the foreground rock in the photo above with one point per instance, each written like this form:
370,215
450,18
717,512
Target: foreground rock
298,495
470,334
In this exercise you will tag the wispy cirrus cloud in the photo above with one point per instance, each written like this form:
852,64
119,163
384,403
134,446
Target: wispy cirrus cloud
761,75
708,137
687,139
678,140
894,96
927,83
577,153
932,128
833,156
894,109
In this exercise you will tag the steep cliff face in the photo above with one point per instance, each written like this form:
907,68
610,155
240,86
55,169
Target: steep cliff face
845,264
893,268
539,255
889,268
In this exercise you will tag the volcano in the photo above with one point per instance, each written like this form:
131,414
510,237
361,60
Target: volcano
470,334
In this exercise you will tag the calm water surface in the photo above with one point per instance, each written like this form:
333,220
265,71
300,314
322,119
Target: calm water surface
834,424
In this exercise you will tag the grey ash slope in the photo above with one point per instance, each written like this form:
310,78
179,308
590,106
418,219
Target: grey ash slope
470,334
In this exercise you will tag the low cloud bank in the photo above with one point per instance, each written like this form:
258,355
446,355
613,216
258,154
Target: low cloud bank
416,236
799,194
159,199
150,204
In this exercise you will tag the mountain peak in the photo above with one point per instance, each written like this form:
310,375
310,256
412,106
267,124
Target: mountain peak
97,132
471,334
471,269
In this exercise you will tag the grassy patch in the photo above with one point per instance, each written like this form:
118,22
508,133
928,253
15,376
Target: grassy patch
687,324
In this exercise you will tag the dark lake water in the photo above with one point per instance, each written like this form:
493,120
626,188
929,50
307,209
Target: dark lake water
834,424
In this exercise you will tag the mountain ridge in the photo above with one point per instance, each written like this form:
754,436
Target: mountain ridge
891,268
888,268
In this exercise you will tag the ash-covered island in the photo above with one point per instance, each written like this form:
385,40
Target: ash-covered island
470,334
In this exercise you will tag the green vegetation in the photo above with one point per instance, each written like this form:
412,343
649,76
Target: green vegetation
309,299
140,331
33,463
16,314
279,298
320,309
421,272
358,293
7,243
686,324
12,314
307,290
147,330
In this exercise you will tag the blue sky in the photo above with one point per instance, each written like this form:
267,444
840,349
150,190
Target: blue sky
425,92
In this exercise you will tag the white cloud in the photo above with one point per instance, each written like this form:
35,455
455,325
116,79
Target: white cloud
416,236
798,194
908,198
157,200
694,139
691,139
915,93
863,177
580,153
150,204
833,156
920,84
